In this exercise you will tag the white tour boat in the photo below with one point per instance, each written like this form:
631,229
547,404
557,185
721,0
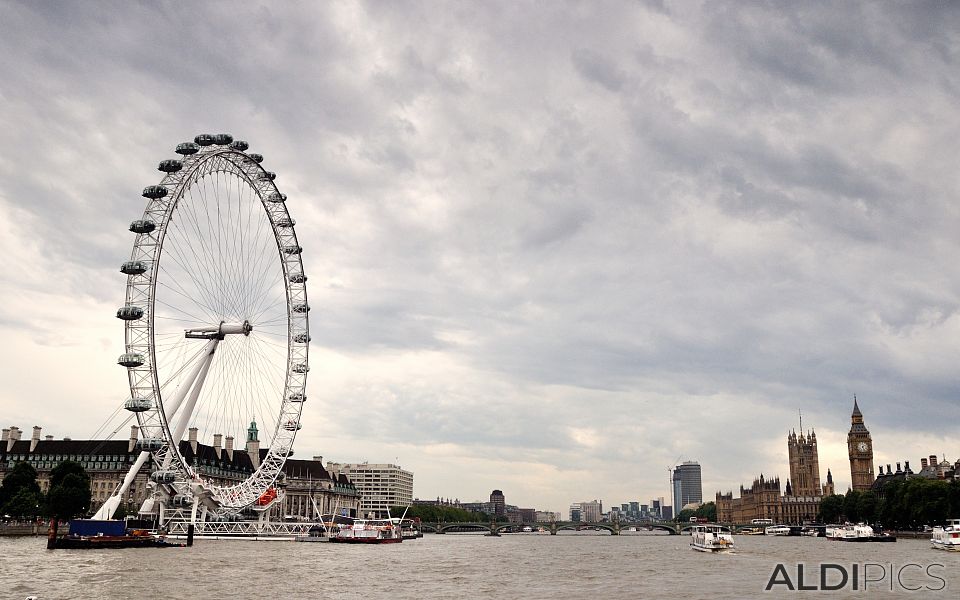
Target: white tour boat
857,533
777,530
364,531
711,538
947,538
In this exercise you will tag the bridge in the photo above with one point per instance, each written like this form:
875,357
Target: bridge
615,528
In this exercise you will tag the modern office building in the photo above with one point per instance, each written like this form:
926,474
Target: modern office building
499,503
380,485
687,486
591,512
576,512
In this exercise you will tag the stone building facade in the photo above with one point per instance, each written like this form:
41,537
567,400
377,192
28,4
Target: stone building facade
107,462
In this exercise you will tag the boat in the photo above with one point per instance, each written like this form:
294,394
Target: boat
858,533
408,528
947,538
316,534
810,532
777,530
711,538
527,529
368,531
109,533
751,531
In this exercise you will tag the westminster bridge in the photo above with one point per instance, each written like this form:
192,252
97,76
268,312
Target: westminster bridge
615,528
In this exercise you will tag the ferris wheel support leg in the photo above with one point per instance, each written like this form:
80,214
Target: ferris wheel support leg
201,374
110,506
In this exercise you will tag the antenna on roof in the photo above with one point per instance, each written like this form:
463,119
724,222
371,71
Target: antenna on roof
799,412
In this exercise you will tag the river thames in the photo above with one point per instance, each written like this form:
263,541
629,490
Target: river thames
521,566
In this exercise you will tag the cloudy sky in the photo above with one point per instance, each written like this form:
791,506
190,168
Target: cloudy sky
559,246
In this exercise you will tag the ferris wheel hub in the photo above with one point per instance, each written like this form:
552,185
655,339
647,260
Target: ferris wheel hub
218,332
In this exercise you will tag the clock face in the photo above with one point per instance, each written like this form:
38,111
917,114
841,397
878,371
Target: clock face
862,446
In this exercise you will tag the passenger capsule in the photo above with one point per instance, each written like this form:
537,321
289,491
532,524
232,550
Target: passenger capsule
222,139
166,477
267,176
171,165
239,145
276,197
300,368
301,338
133,267
204,139
138,405
285,222
142,226
301,308
292,250
292,425
130,360
187,148
154,192
130,313
297,278
257,158
297,397
148,443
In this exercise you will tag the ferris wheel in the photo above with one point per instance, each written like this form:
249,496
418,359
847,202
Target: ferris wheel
216,319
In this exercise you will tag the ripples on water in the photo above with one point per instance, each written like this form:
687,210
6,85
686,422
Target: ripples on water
518,566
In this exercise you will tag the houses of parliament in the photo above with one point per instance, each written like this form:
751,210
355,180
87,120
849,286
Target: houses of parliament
800,500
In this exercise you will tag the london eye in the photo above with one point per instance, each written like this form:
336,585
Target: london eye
216,319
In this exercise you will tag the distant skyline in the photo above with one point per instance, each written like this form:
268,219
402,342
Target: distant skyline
560,247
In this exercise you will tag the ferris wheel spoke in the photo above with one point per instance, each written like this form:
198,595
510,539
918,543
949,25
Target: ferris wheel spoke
199,279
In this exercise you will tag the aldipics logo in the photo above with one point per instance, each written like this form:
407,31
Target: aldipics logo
858,577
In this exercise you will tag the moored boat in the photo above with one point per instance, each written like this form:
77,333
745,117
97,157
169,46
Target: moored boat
372,531
858,533
711,538
105,533
947,538
777,530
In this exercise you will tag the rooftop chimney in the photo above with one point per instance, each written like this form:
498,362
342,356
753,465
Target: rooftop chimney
48,438
933,460
881,470
898,468
35,438
889,470
217,439
193,440
6,434
229,447
318,459
14,436
134,434
906,466
923,463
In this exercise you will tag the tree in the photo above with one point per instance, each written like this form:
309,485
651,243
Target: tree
684,515
69,493
867,507
25,505
707,511
851,504
831,508
21,476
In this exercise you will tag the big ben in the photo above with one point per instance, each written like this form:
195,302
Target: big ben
860,450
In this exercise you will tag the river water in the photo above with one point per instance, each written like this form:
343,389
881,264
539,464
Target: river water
513,566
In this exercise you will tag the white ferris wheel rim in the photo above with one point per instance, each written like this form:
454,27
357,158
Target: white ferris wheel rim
220,154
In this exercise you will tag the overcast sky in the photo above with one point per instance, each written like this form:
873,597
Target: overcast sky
558,246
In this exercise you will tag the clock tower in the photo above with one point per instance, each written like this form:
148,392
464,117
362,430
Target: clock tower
860,450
